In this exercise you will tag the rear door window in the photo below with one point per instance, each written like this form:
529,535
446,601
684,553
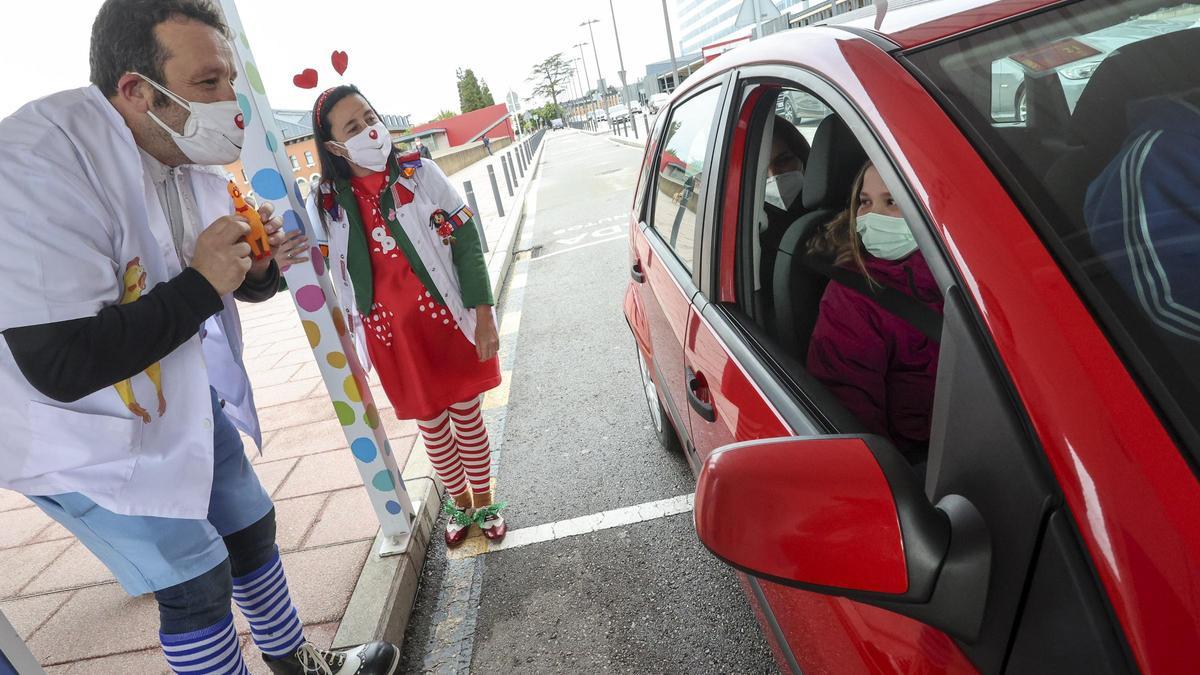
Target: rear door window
1114,186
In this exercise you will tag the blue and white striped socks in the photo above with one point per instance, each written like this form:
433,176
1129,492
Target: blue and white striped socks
263,598
214,650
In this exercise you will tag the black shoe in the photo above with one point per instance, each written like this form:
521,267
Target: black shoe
375,658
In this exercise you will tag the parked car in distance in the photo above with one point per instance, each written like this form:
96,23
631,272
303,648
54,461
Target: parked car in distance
619,113
556,123
657,101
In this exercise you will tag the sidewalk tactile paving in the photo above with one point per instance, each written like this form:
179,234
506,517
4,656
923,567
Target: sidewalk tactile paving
325,472
22,564
348,516
97,621
294,517
21,525
26,614
74,568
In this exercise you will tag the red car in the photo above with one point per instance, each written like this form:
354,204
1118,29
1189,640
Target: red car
1051,521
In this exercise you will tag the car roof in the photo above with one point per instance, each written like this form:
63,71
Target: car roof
911,23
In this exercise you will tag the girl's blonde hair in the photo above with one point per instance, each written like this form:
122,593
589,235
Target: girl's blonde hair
837,241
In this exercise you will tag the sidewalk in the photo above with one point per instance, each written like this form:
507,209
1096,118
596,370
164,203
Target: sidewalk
76,619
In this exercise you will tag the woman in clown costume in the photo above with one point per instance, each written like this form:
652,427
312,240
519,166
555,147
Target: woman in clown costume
411,278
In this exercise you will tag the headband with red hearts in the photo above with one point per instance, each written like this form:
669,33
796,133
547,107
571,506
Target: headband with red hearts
307,79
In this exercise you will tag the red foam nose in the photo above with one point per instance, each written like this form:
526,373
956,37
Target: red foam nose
241,123
374,134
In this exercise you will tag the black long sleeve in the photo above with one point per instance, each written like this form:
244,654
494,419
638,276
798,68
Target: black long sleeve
68,360
260,291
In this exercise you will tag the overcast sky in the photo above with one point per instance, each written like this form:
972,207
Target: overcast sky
403,55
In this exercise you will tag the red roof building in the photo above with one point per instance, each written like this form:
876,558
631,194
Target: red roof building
492,122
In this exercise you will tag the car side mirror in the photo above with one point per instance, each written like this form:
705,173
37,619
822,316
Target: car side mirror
846,516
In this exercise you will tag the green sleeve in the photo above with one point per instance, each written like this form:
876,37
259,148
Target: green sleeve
471,266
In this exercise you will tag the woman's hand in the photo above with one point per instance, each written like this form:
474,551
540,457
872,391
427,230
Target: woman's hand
487,339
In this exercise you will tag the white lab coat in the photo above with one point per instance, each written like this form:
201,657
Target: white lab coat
431,191
78,211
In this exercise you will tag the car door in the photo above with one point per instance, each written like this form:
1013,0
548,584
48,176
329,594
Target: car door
665,246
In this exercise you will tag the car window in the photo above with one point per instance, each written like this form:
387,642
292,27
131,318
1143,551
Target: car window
1116,190
681,172
830,272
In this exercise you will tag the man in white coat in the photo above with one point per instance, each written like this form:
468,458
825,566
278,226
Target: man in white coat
120,250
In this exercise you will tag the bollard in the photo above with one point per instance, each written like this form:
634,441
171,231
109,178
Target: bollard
512,168
470,194
507,177
521,162
646,123
495,190
633,124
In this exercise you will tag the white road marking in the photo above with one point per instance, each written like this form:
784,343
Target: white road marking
576,248
629,515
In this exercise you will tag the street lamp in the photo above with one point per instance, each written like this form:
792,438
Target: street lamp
583,58
620,58
671,46
595,53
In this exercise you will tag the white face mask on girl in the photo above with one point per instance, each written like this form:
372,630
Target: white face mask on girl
782,189
370,148
886,237
213,133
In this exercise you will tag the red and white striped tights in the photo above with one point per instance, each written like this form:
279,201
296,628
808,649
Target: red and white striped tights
457,443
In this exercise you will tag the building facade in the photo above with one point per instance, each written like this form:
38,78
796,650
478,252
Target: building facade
703,22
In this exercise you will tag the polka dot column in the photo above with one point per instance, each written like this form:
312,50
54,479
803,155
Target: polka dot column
312,290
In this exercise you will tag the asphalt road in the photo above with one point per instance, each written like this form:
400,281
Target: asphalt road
575,439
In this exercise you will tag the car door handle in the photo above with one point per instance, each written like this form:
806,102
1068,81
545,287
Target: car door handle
696,385
637,274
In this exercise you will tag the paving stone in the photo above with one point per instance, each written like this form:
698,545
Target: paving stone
289,392
54,532
307,439
24,563
268,377
322,579
294,518
97,621
74,568
321,473
19,526
307,371
347,516
145,662
284,416
271,474
10,500
26,614
296,357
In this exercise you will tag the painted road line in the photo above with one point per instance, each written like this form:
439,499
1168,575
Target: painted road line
596,522
576,248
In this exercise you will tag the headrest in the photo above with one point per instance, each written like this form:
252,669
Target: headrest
788,133
834,162
1159,66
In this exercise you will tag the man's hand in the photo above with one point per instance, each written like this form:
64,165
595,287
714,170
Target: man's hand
275,235
220,256
487,339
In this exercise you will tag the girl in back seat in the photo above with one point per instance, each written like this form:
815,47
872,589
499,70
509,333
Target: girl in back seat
879,365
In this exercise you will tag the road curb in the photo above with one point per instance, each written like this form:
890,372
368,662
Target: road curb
641,145
383,598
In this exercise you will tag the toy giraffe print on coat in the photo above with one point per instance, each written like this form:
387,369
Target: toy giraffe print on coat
135,283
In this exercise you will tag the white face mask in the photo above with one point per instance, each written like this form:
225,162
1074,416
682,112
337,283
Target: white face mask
370,148
886,237
213,133
782,189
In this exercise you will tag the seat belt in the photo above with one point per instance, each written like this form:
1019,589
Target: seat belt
916,313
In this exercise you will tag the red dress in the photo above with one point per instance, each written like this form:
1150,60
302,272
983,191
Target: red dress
425,363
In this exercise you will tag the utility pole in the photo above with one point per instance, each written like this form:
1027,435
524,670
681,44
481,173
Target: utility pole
620,58
671,45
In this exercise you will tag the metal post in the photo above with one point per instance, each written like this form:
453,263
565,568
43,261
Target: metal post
620,57
646,122
495,190
507,177
469,191
512,168
671,46
521,159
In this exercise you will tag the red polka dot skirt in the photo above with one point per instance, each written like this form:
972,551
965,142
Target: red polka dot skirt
424,361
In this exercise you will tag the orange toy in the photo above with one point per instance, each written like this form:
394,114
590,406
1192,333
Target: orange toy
260,247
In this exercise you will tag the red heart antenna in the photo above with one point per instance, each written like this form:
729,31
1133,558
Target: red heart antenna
340,60
307,79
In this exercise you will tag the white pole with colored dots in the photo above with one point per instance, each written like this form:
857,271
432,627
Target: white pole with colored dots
333,346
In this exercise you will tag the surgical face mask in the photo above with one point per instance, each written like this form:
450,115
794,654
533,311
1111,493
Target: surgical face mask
213,133
782,189
886,237
370,148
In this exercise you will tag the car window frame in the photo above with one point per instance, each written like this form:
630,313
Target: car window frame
687,277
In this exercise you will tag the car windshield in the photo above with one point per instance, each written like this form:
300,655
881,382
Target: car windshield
1090,114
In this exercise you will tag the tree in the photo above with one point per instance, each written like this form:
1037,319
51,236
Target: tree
551,77
445,114
472,93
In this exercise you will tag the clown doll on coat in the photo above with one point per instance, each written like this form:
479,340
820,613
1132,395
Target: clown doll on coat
411,278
